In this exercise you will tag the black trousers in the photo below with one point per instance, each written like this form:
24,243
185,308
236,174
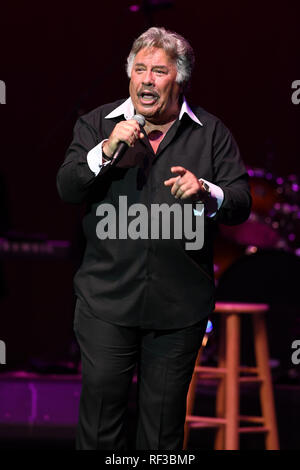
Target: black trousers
165,361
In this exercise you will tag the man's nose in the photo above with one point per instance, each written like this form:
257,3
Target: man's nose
148,78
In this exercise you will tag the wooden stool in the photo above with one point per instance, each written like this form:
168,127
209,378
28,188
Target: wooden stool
230,375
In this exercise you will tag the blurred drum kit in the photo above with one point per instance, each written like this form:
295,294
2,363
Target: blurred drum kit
274,222
259,261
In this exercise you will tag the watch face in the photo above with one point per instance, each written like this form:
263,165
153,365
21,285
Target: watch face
206,187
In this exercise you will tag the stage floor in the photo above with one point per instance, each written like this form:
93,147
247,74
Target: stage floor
39,411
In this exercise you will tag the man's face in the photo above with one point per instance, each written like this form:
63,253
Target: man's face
153,89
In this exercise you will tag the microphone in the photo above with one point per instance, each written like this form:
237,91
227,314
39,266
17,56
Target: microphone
122,147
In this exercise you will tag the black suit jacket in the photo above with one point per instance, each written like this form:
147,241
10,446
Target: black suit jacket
147,282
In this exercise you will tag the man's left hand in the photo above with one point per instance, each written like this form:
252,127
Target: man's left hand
186,185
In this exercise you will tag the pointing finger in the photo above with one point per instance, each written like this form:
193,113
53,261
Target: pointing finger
178,169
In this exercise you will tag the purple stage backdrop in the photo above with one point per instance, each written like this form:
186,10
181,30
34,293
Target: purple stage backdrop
59,60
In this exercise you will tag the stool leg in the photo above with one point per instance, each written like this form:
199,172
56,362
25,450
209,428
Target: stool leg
190,401
266,389
232,383
220,398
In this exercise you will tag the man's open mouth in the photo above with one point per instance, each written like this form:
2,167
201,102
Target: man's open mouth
148,98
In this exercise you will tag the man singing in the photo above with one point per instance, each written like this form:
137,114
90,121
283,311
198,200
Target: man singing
144,300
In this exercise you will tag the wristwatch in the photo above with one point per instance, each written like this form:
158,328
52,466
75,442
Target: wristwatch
206,189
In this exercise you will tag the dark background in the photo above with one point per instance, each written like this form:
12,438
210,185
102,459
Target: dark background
62,59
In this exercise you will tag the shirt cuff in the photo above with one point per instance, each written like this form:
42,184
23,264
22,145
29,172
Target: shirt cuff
213,204
94,159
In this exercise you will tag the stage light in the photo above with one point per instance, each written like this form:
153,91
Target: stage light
209,326
147,5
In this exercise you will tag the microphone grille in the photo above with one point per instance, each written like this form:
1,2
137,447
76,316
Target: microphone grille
140,119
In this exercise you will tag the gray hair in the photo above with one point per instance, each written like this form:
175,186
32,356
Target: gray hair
176,46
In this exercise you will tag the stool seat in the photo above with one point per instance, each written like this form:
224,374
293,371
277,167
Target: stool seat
240,307
230,375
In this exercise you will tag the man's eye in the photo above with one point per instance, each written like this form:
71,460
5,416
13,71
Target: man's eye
161,72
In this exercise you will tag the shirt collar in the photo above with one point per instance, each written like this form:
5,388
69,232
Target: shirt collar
126,109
